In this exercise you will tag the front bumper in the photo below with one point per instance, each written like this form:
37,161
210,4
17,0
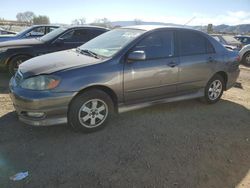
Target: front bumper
54,105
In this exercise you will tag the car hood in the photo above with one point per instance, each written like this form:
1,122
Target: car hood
49,63
7,37
21,42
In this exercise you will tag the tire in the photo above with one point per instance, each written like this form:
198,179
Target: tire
214,89
83,116
15,62
246,59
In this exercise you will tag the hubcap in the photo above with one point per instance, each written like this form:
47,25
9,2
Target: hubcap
93,113
215,90
248,59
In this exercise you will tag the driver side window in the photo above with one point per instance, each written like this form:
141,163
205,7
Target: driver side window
38,31
159,44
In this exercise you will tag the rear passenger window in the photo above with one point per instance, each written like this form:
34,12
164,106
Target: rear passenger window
157,45
192,43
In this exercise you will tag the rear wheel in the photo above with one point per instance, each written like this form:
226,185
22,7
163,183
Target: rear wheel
15,62
246,59
90,111
214,89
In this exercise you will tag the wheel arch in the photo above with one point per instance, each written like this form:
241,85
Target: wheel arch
224,75
105,89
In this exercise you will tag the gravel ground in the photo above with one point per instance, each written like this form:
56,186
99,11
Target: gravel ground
183,144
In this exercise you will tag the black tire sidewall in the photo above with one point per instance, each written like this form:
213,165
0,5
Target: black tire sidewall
77,103
244,62
215,77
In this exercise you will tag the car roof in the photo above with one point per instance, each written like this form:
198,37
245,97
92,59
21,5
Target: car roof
84,26
153,27
48,25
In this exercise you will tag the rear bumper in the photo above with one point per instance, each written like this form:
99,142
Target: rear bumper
53,106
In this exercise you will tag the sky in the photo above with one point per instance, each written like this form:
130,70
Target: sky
192,12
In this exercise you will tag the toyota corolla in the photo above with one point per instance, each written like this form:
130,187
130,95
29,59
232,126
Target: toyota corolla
123,69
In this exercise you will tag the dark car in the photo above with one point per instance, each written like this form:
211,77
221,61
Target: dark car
245,40
31,32
13,53
121,70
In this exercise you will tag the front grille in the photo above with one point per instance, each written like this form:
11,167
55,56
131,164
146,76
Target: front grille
18,77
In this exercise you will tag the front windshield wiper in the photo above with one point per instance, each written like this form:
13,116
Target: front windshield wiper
88,52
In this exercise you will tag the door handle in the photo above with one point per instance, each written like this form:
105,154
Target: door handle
172,64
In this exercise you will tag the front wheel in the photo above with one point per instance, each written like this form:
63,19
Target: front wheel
90,111
15,62
214,89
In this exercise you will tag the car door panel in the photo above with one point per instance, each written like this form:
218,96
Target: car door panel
150,79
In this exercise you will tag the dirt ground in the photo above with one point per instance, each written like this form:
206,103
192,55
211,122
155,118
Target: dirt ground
183,144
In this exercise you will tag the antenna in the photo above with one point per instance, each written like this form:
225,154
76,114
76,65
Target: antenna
190,20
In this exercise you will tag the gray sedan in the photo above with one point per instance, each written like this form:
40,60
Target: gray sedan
123,69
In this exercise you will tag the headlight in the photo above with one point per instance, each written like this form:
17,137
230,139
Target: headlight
3,50
43,82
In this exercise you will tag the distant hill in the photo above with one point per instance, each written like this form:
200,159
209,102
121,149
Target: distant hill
240,29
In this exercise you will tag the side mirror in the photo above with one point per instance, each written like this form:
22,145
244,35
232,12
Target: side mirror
136,56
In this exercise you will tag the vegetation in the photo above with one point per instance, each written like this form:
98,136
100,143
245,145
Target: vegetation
31,18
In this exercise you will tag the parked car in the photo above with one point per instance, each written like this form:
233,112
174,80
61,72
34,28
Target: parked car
13,53
31,32
228,41
124,69
6,32
245,40
245,55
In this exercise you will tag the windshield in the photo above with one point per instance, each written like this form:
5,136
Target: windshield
110,43
53,34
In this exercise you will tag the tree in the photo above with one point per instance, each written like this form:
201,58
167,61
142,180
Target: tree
103,22
80,21
138,21
25,16
41,20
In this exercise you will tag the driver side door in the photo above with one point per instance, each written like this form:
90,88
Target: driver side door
156,76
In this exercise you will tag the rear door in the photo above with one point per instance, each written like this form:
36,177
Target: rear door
197,59
156,76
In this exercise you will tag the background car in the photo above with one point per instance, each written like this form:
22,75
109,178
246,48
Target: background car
123,69
228,41
245,55
31,32
13,53
243,39
6,32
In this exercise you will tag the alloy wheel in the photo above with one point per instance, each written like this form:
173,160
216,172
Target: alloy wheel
93,113
215,90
